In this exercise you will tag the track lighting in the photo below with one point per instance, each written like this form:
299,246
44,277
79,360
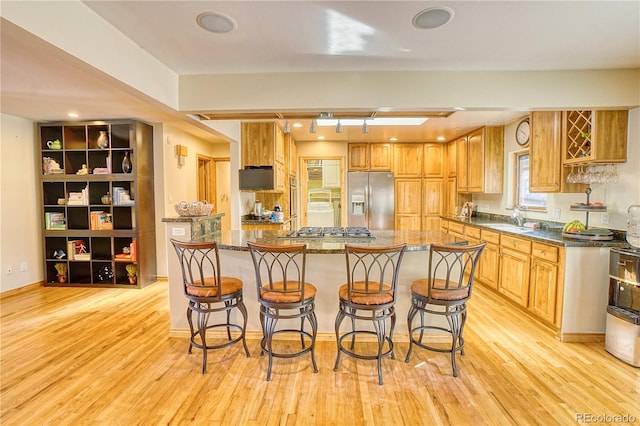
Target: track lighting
365,126
287,129
339,127
313,127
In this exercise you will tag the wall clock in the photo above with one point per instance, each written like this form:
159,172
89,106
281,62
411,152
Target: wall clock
522,132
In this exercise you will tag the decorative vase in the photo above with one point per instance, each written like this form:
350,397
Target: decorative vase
103,140
106,198
62,278
132,279
127,165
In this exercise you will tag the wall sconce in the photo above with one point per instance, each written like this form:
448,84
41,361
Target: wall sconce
181,152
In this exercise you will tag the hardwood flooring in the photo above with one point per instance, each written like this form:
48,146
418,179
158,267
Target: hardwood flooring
103,357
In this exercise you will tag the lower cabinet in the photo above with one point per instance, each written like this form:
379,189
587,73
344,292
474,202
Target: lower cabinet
514,275
545,275
488,272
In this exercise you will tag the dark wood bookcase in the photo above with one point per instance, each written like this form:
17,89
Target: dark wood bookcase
76,215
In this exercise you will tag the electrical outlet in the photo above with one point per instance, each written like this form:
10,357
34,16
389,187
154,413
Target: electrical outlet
178,232
605,218
556,213
23,266
9,269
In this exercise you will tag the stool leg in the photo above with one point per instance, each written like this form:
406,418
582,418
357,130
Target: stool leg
454,324
339,319
412,313
393,327
302,327
379,326
314,331
269,327
228,305
203,319
243,311
190,321
353,327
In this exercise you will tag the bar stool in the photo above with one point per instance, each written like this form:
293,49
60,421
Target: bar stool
284,295
209,292
369,295
444,293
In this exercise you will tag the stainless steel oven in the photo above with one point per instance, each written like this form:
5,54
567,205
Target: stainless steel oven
622,336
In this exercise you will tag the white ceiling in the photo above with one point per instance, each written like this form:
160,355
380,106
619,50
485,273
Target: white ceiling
41,83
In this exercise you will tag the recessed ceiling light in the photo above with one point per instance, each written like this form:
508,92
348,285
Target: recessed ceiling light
320,138
440,138
73,115
433,17
458,108
393,139
297,124
216,22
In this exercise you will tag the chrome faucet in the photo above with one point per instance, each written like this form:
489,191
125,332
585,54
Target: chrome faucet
517,215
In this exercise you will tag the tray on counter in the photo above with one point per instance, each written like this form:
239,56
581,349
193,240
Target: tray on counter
590,234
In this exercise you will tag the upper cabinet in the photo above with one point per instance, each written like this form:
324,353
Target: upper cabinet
452,165
480,161
546,173
374,156
407,159
433,160
290,153
262,144
594,136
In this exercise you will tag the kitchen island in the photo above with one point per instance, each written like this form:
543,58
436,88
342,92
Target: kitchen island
325,269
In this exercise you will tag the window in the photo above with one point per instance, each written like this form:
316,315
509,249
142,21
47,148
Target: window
524,198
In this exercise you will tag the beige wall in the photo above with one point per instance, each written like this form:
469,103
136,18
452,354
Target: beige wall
20,239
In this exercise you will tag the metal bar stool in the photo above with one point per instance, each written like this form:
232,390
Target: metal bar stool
369,295
444,293
284,295
209,292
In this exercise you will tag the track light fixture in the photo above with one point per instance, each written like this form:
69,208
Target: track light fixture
287,129
365,126
314,126
339,127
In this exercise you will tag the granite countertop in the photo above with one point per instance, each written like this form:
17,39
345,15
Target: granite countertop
550,233
415,240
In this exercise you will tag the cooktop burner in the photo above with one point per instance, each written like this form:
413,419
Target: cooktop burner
331,232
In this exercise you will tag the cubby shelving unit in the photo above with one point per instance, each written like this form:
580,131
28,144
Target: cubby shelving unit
92,236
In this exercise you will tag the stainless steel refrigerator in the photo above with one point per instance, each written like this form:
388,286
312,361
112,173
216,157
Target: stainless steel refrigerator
371,200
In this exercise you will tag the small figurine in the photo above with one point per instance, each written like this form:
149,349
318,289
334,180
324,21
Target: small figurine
58,254
83,170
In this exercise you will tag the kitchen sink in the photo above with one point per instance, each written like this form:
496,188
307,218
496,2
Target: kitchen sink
508,227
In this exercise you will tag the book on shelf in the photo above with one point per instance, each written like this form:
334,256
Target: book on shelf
73,247
83,257
100,220
121,197
131,256
79,198
54,220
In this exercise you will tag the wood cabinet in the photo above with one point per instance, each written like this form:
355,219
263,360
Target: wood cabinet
452,159
408,197
432,201
515,263
97,222
374,157
489,265
407,160
381,156
480,161
262,144
546,274
433,154
594,136
546,172
290,154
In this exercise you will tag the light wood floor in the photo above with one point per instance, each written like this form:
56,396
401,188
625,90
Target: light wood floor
103,357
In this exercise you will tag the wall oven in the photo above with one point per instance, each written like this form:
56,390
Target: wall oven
622,336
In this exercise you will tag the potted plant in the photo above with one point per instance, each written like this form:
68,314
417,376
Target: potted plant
132,269
62,272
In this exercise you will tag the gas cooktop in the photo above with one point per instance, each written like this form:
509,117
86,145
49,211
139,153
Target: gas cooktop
330,232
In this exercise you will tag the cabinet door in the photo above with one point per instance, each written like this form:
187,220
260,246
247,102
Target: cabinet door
544,279
408,194
545,151
331,174
475,162
258,144
358,156
433,160
280,178
432,203
452,160
489,271
293,157
408,223
279,144
381,156
452,196
514,275
407,160
463,165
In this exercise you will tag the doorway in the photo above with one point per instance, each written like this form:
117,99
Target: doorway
321,191
214,186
